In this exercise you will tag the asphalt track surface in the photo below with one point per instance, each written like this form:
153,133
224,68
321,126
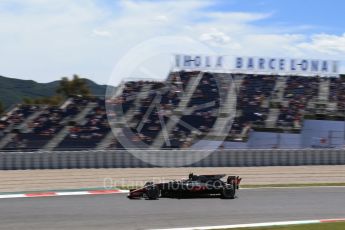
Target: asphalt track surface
117,212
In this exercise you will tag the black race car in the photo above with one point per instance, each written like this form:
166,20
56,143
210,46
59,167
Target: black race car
194,186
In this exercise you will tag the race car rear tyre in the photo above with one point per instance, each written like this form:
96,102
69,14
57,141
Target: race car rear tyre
152,192
228,192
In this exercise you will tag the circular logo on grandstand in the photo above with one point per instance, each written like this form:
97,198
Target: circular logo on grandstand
173,95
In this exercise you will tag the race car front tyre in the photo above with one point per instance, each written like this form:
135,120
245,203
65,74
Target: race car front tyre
152,192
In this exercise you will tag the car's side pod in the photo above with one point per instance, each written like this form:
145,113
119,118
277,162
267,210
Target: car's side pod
236,180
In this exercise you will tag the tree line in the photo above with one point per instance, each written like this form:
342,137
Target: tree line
75,86
67,88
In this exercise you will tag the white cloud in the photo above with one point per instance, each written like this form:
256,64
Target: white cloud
101,33
44,40
162,18
215,37
327,44
237,17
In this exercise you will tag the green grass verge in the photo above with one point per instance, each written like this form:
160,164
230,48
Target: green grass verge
323,226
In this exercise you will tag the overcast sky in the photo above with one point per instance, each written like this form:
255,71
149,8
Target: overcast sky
44,40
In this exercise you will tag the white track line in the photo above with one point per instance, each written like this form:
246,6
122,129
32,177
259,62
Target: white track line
12,196
254,225
72,193
67,193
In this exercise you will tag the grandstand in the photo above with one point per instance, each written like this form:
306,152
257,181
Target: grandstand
187,107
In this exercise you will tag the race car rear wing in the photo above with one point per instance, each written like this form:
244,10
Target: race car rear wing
235,180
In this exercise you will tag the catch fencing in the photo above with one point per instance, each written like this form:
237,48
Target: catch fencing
168,158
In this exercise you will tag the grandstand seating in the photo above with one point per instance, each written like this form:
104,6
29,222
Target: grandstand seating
201,119
88,134
298,92
187,103
255,89
45,126
17,115
154,109
14,118
337,89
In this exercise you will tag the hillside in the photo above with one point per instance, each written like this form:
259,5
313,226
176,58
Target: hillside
13,90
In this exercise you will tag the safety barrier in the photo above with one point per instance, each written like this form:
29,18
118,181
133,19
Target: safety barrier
168,158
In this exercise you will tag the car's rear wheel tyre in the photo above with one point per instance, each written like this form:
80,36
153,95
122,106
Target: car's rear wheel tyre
152,192
229,192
